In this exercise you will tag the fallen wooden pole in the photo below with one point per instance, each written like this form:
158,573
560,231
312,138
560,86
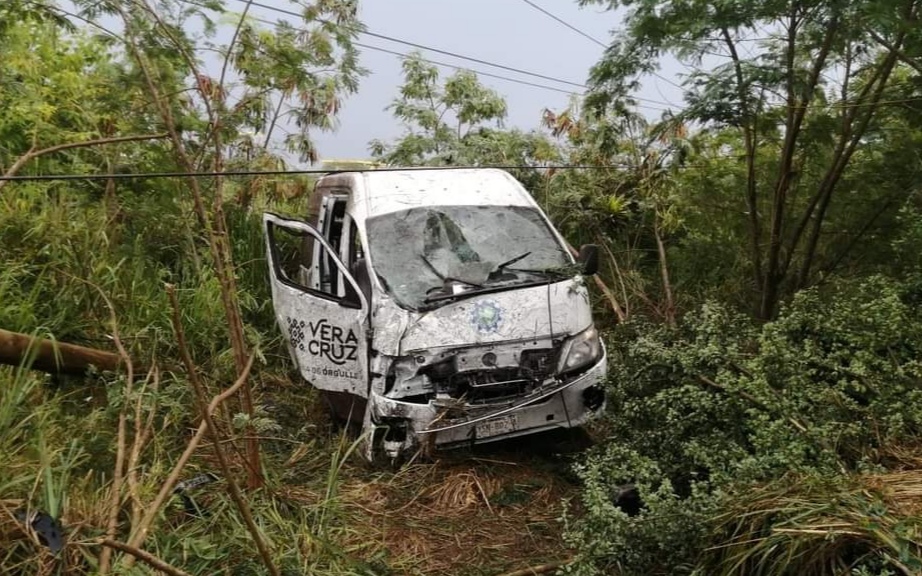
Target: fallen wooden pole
54,357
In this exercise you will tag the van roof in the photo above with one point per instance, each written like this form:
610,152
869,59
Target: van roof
379,192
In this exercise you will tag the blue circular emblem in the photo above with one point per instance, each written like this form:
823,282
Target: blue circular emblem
486,316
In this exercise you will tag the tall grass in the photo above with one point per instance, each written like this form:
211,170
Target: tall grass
36,466
64,254
67,257
867,524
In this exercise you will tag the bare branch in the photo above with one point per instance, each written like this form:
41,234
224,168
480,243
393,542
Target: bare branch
215,434
143,556
34,153
139,532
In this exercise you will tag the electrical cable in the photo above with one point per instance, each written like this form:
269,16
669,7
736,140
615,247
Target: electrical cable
478,72
240,173
591,39
424,47
443,64
565,23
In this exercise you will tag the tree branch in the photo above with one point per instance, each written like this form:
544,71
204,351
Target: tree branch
903,57
214,223
139,532
797,111
609,294
857,237
145,557
236,496
52,356
664,273
882,75
750,143
34,153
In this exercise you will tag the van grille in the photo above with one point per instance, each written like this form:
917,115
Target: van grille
501,384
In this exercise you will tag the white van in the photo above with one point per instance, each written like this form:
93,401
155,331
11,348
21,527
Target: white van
438,307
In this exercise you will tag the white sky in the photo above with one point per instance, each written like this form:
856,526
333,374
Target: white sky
508,32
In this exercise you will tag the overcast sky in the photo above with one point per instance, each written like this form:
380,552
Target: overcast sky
508,32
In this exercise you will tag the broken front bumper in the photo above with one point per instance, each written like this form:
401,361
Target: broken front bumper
559,404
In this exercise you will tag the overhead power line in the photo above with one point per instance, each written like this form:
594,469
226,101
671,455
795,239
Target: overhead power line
478,72
588,36
301,172
454,55
565,23
431,49
430,61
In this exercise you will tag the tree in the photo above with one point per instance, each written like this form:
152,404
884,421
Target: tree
53,86
803,95
274,70
447,122
626,199
71,92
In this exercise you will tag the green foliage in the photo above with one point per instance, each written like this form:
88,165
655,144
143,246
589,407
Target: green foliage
56,88
296,76
631,202
81,259
808,167
756,448
450,122
665,538
702,413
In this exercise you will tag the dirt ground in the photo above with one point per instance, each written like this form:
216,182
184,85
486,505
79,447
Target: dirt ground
483,511
489,509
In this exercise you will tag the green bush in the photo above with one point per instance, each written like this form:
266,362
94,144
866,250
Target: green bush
706,411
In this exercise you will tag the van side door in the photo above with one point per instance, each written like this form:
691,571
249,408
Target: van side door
324,322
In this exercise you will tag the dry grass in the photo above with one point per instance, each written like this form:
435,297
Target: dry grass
812,526
462,516
488,511
462,513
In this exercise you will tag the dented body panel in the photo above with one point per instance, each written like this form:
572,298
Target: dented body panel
444,302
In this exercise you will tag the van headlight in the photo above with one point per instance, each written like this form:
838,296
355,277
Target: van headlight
580,351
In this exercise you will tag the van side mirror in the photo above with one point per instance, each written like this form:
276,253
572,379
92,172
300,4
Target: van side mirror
589,258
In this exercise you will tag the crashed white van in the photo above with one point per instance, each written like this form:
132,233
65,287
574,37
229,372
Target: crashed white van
438,307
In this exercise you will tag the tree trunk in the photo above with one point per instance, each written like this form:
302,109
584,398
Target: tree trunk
54,357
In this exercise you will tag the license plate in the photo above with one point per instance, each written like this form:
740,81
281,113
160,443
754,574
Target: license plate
496,426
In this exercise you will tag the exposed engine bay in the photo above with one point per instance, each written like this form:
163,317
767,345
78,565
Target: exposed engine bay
477,375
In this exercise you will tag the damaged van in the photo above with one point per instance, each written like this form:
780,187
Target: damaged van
438,307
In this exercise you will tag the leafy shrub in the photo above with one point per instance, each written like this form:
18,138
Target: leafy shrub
706,411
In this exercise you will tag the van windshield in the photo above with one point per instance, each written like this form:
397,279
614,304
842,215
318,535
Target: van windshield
425,255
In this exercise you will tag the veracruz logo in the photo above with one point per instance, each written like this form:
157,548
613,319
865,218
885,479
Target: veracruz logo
325,340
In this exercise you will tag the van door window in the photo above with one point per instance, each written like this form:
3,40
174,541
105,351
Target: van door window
332,218
356,260
287,245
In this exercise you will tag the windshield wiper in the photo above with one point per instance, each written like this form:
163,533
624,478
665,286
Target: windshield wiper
510,262
447,279
446,283
555,271
440,297
549,278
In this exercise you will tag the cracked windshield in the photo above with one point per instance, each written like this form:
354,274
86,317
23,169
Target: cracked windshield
422,254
